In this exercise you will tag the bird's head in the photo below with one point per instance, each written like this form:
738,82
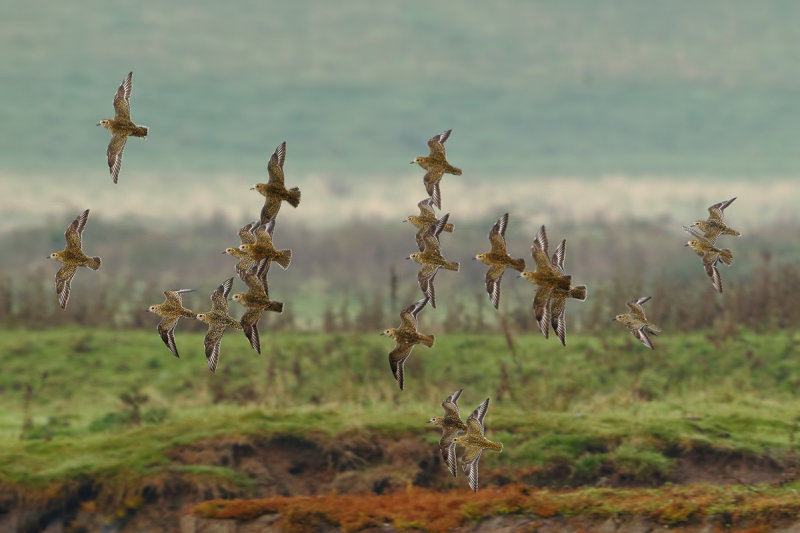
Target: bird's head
387,332
415,256
692,244
620,318
416,160
527,275
481,258
408,219
55,255
152,308
260,187
230,251
458,440
436,421
201,316
237,297
105,122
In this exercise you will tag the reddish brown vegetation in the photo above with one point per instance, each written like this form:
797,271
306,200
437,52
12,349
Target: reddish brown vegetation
437,511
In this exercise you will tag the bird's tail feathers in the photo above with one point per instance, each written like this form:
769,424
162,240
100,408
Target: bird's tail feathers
276,307
726,256
730,231
451,265
294,196
427,340
449,228
579,292
496,446
453,170
93,263
141,131
654,330
518,264
284,258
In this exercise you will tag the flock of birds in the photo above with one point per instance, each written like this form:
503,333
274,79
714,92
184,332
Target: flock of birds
256,252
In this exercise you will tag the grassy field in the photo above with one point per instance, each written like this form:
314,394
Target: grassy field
547,401
117,410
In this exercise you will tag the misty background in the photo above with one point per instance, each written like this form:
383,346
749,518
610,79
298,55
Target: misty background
611,123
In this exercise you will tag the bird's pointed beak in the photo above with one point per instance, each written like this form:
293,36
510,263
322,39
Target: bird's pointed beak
687,244
410,162
474,258
252,188
404,220
225,251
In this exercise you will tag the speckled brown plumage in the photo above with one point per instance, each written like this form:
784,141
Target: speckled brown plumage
406,337
274,190
121,127
72,257
498,259
218,321
436,164
256,299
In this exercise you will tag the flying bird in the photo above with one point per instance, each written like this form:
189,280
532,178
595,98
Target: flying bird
451,425
431,259
170,312
425,220
498,259
547,276
264,250
121,127
474,442
436,164
218,321
247,235
710,256
405,337
274,190
72,257
637,322
559,295
256,299
714,226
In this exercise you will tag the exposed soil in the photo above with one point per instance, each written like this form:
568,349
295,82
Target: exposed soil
294,466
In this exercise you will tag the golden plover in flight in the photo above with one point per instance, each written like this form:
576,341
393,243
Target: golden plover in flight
431,259
218,321
546,276
256,299
170,312
637,322
274,190
121,127
559,295
714,226
425,220
498,259
436,164
72,257
451,425
710,256
264,250
247,235
406,336
474,442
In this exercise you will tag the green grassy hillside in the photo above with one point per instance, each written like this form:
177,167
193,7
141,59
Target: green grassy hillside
100,403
